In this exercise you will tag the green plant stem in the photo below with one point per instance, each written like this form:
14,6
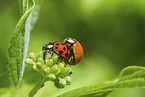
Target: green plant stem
35,89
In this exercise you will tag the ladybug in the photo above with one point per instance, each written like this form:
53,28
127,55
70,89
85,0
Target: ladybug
59,48
76,50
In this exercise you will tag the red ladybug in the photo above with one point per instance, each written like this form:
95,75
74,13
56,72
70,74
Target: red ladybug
76,50
59,48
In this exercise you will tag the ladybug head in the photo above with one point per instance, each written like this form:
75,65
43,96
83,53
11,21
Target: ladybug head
69,41
47,46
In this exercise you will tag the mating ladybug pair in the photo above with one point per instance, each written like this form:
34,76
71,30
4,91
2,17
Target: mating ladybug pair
70,50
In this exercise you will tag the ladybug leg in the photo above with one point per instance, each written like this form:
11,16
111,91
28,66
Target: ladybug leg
71,60
66,61
60,59
45,53
51,54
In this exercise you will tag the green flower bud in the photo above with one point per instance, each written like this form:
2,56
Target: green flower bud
61,66
60,83
39,65
29,61
58,72
35,68
40,54
54,69
51,77
55,58
68,80
46,70
65,72
48,56
40,60
49,62
33,56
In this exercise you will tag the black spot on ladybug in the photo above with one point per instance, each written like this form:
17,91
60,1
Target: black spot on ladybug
57,44
67,47
56,47
66,54
60,52
62,43
64,48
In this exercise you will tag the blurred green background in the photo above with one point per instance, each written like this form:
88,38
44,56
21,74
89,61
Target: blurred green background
112,33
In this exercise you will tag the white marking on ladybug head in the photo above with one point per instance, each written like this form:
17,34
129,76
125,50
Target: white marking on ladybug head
49,46
71,41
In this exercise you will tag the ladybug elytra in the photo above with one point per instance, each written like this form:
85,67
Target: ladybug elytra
59,48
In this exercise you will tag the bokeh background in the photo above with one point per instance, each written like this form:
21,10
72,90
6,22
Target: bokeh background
112,33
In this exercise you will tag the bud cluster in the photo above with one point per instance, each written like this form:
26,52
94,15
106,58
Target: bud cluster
51,68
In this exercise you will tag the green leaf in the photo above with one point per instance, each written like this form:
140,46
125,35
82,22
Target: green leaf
130,70
31,20
130,77
17,49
